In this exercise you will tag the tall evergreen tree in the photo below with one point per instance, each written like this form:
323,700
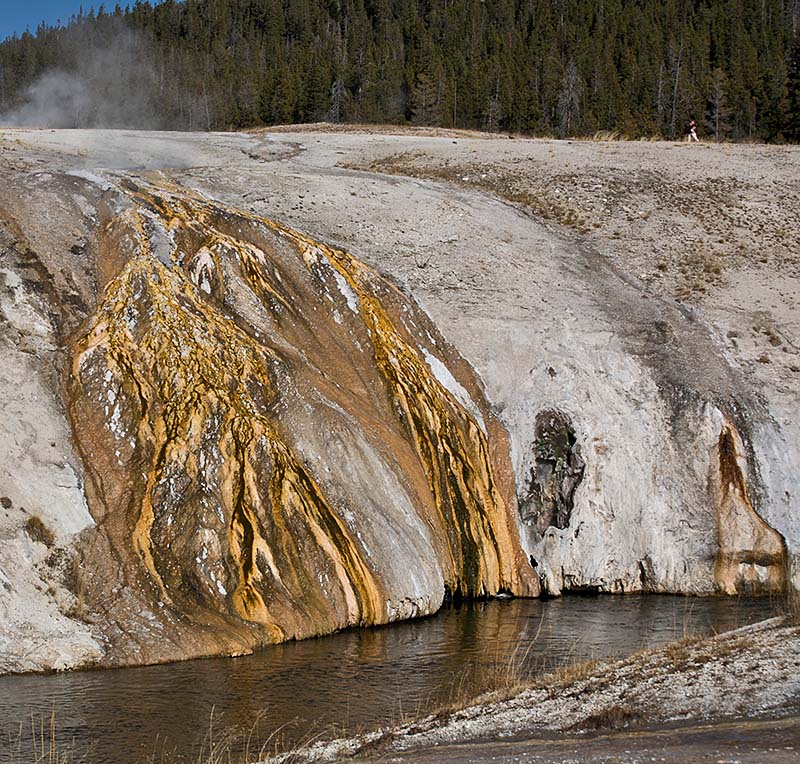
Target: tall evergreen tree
793,88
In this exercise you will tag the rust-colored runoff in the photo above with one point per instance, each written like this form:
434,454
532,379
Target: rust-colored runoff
751,557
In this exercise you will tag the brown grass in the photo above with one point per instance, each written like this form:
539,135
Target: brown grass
38,531
608,135
369,129
680,648
488,178
570,673
41,745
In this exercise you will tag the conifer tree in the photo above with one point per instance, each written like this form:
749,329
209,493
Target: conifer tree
717,109
792,132
425,104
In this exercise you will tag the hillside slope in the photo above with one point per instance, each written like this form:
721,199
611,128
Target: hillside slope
234,432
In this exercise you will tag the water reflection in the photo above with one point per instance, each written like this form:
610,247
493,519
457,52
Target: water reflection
355,679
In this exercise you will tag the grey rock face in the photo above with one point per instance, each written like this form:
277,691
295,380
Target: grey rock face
556,472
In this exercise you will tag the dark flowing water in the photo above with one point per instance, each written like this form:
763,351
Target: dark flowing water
355,679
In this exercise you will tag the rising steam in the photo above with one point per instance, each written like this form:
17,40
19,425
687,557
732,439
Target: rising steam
110,86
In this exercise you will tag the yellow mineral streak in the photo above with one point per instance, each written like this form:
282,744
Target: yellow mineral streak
480,546
450,444
454,452
199,375
102,330
199,365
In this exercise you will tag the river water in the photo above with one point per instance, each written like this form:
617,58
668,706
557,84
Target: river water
355,679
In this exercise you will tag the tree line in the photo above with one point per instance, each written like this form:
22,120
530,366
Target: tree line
550,67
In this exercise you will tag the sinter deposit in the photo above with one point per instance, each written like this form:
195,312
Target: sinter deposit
220,430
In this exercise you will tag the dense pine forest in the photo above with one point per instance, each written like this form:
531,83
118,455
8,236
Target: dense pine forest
555,67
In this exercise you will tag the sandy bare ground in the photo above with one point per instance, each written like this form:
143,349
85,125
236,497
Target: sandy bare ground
708,225
711,225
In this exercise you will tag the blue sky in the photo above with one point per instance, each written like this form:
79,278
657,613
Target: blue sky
15,15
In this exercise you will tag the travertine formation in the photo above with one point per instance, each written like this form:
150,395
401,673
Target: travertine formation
276,442
219,432
752,555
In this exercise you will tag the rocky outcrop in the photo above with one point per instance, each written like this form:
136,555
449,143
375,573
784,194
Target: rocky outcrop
572,309
220,432
555,474
751,555
275,442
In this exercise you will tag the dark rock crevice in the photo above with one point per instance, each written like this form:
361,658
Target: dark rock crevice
556,472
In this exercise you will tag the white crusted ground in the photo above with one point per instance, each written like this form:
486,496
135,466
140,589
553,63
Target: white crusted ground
38,479
550,312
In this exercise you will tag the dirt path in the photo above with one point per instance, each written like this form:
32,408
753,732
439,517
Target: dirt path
776,741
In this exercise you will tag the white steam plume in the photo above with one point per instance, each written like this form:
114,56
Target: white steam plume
111,86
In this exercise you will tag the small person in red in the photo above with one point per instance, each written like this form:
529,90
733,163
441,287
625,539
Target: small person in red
691,132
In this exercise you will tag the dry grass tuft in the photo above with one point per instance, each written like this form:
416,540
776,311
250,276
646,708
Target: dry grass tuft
608,135
40,745
228,745
38,531
570,673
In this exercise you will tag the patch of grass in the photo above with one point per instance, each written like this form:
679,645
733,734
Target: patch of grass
570,673
488,178
692,651
680,647
40,744
38,531
732,647
608,135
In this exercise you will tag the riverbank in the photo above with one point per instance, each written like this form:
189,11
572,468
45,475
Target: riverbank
344,684
752,671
